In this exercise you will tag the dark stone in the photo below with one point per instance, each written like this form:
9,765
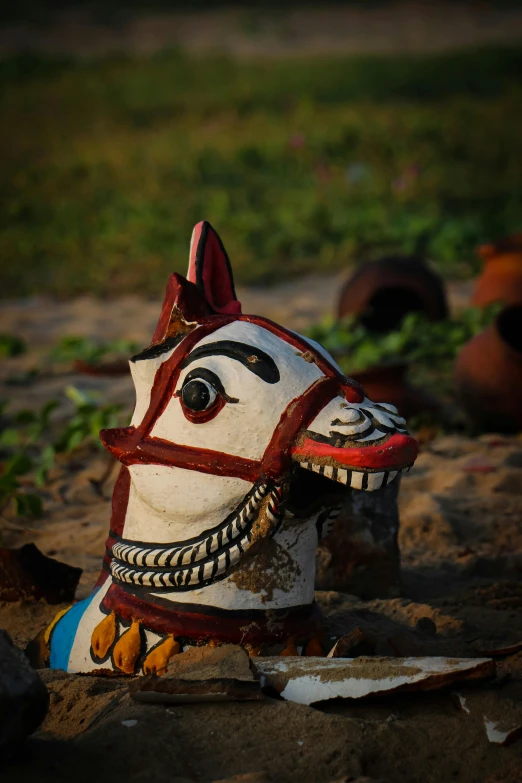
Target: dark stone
361,554
24,699
427,626
27,574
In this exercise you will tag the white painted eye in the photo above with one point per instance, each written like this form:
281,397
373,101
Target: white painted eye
198,394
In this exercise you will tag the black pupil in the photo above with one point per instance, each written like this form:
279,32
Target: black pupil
196,395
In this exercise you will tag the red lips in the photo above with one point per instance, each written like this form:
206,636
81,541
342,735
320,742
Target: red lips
399,451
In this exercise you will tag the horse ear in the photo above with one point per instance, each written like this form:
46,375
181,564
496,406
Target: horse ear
210,270
182,306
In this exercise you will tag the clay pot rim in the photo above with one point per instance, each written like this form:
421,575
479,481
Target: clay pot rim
510,351
510,245
382,367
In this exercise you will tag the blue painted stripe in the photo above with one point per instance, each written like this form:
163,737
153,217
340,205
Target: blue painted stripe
64,633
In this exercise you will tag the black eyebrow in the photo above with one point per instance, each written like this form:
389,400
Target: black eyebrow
254,359
153,351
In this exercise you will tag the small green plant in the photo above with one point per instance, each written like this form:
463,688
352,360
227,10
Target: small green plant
11,345
418,340
23,454
74,348
28,446
89,418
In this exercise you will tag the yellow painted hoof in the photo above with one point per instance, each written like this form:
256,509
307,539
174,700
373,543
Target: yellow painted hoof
128,648
104,635
314,648
158,658
290,648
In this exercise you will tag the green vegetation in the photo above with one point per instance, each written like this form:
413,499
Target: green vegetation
433,344
72,348
29,447
11,345
301,165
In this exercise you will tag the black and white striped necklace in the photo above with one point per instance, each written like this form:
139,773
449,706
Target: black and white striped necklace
198,561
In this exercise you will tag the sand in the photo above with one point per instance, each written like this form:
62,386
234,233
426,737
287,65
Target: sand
461,547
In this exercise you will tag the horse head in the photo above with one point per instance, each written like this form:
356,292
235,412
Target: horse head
244,441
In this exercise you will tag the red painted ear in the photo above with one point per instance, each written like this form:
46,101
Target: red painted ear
183,304
210,270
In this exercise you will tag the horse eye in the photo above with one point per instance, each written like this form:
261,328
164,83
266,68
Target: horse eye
198,394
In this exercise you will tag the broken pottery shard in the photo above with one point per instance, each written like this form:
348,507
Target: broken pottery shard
308,680
27,574
498,652
23,697
498,734
166,690
461,702
229,661
117,367
358,642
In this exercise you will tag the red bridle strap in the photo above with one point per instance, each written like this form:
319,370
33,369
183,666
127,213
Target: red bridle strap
135,446
130,448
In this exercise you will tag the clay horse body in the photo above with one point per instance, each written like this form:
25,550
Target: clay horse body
245,439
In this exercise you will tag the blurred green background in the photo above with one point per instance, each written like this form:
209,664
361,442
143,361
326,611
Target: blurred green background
303,165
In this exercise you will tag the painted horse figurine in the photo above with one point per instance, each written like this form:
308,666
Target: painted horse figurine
244,441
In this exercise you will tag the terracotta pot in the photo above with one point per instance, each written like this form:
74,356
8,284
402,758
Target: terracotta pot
116,367
389,383
501,278
382,292
488,374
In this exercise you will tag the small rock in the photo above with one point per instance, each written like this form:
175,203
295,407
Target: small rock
358,642
27,574
229,661
427,626
24,700
404,646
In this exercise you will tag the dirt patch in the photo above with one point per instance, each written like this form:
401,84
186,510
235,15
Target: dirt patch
272,568
461,551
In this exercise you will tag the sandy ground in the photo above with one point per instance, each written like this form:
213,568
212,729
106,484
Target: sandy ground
461,547
387,27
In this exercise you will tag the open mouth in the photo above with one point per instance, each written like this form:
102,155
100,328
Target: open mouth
321,464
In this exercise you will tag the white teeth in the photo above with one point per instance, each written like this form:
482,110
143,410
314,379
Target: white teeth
357,480
375,480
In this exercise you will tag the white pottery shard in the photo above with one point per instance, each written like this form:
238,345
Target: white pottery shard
309,680
499,735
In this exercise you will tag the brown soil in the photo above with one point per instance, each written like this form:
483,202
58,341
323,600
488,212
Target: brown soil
461,545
